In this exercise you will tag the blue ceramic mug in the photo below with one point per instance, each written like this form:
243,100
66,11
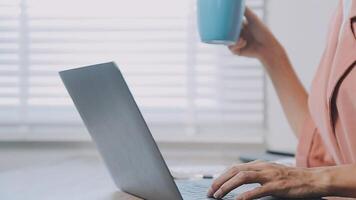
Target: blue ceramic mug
220,21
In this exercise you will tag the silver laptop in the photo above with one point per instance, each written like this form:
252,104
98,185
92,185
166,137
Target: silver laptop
122,137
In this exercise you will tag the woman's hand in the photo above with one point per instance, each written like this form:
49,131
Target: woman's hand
277,180
256,39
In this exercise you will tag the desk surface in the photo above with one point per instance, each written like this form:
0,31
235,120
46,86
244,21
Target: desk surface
77,177
36,171
81,178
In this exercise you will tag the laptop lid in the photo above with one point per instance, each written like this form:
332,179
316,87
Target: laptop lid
119,131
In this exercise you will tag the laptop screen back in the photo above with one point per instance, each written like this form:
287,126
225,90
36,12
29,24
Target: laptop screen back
119,131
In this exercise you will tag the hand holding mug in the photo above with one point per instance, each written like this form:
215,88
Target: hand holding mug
256,40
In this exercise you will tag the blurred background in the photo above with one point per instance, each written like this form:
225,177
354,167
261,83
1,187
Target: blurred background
200,101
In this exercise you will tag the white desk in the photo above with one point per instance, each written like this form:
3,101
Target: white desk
79,178
50,172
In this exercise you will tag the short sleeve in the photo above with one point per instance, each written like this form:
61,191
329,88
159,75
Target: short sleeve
311,151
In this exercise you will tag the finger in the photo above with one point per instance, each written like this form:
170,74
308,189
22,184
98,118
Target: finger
240,44
229,173
257,192
237,51
241,178
237,48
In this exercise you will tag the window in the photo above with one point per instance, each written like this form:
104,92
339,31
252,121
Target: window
181,85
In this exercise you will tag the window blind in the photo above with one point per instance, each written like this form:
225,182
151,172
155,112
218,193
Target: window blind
179,83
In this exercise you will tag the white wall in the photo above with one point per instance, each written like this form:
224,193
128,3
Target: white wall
301,26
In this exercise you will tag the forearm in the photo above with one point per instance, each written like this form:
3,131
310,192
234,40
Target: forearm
257,41
290,91
340,180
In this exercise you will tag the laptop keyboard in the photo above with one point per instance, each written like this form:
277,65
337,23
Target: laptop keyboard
197,190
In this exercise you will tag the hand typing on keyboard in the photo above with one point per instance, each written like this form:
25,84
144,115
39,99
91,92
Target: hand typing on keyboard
274,179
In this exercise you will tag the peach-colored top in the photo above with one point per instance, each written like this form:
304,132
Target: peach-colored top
329,134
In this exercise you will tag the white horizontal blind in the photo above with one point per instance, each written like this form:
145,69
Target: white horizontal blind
176,80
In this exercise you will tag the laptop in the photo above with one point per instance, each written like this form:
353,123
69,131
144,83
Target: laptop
123,139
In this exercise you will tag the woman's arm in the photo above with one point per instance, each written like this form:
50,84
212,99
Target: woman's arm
291,93
341,180
257,41
288,182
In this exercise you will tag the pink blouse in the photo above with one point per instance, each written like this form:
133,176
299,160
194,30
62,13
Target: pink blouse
329,133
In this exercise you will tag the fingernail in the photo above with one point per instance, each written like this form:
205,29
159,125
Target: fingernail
240,42
210,192
218,194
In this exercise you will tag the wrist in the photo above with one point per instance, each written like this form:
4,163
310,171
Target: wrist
272,56
322,180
